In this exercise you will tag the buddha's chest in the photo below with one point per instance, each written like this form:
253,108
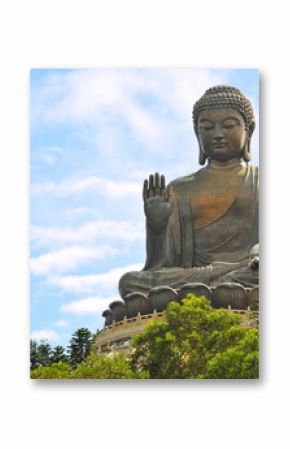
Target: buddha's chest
212,196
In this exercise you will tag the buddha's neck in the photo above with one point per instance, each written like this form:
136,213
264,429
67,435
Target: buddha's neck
232,165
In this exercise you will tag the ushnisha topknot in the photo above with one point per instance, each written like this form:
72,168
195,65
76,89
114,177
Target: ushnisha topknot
224,97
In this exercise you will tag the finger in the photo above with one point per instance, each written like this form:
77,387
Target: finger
163,187
145,190
157,183
151,186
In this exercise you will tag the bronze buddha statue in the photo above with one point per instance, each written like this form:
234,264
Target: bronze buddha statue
203,227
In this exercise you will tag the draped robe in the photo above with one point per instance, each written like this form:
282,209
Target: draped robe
209,235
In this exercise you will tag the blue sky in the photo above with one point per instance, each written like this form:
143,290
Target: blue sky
95,135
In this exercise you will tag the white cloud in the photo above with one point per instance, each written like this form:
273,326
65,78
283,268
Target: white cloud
68,259
89,283
98,229
80,211
86,306
72,186
60,323
93,97
45,334
47,154
54,149
84,94
48,159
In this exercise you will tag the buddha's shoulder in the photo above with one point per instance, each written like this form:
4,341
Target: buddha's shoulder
183,181
186,181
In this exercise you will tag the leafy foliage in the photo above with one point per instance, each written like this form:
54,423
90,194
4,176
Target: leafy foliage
238,362
59,370
95,367
102,367
197,341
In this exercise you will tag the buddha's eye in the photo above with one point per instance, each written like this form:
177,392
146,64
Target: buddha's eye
206,125
230,123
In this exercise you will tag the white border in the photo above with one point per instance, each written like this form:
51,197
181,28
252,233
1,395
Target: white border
143,34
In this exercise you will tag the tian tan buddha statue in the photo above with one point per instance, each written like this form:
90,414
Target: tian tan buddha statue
204,227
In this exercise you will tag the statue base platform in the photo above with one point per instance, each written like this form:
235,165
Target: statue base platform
128,318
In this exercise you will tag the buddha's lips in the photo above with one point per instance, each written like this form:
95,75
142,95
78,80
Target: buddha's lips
220,145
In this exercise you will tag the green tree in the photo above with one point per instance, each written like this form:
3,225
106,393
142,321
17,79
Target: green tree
44,353
33,354
197,341
59,370
58,355
80,346
102,367
94,367
238,362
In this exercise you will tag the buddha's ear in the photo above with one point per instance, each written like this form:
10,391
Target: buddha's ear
201,156
251,129
246,153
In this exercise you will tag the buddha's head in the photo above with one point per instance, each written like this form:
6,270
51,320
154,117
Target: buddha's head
224,122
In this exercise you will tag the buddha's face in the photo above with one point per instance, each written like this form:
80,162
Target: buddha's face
221,134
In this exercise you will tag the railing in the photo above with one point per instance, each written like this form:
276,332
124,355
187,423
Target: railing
127,322
116,337
139,320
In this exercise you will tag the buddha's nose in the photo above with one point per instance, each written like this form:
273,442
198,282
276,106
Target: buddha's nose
218,134
218,138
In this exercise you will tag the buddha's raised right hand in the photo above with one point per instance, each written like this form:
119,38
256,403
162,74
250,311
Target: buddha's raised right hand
157,205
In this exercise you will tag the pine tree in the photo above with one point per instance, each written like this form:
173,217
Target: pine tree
33,354
58,355
80,346
44,353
